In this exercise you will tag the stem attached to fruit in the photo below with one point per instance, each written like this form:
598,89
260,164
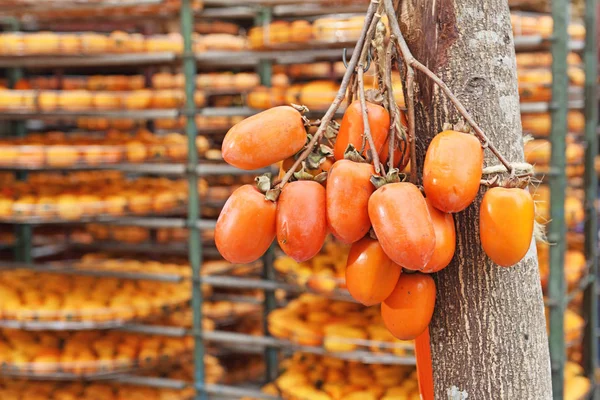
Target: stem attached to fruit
365,52
411,62
367,133
352,86
340,94
395,126
410,108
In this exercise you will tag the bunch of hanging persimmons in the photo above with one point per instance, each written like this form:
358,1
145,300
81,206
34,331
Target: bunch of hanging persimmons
333,181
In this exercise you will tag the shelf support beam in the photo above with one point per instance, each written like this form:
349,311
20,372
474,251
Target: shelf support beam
195,244
557,230
23,233
265,71
590,295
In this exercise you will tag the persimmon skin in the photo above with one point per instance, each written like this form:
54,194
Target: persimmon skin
301,224
506,220
352,128
406,313
348,192
402,223
452,170
246,226
445,239
264,139
370,274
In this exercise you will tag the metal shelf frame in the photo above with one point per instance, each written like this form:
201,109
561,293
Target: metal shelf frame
590,294
70,5
263,11
284,54
558,298
558,183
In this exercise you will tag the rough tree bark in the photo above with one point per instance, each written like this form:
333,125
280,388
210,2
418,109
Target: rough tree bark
488,333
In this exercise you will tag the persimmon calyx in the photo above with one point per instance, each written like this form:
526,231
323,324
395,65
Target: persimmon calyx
331,132
393,176
322,177
516,181
318,156
263,182
447,126
463,126
352,154
374,96
460,126
302,109
492,182
305,175
519,178
273,194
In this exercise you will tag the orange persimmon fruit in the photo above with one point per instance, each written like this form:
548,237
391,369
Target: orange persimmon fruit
408,310
246,226
352,128
445,239
452,170
348,192
265,138
506,220
370,274
301,219
402,223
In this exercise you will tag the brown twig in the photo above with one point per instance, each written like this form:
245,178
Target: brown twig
393,107
412,62
338,98
492,182
364,53
351,90
379,54
367,133
410,108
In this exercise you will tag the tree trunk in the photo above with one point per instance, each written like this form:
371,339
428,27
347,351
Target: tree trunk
488,333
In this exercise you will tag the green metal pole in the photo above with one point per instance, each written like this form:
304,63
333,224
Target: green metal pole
590,296
557,230
14,75
265,71
23,233
265,67
195,244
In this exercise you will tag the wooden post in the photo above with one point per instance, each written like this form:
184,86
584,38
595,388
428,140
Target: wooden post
488,334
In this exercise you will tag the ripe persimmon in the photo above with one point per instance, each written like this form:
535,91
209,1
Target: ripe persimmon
445,239
265,138
402,223
246,226
452,170
506,220
370,274
301,224
352,128
408,310
348,192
